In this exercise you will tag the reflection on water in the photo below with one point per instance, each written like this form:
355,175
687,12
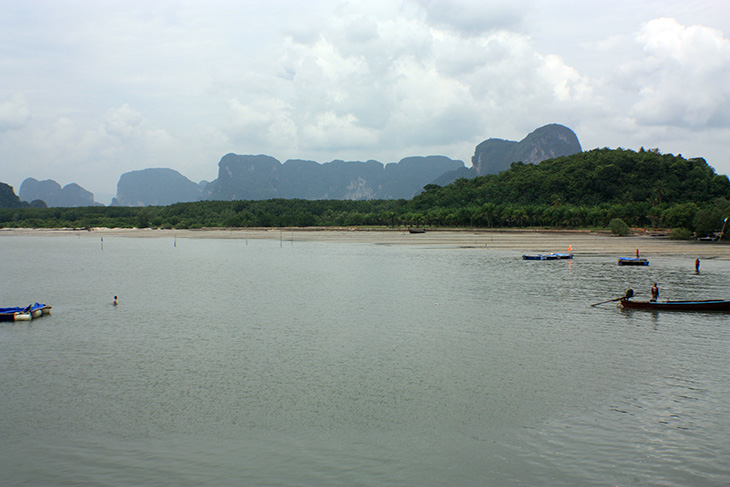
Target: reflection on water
256,363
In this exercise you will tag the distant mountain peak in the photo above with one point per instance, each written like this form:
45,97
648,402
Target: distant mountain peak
547,142
8,198
257,177
159,186
261,177
49,191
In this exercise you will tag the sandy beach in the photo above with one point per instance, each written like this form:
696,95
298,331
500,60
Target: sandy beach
522,241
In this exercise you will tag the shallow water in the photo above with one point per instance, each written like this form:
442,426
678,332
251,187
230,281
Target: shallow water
267,362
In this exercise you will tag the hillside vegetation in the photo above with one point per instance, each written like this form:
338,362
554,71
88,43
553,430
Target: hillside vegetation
645,189
8,198
596,177
589,189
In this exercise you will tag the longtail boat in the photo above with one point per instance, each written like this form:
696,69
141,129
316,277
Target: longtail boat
687,305
632,261
553,256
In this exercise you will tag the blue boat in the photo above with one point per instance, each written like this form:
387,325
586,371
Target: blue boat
16,313
552,256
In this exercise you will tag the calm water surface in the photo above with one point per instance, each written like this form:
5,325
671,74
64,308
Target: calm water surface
278,363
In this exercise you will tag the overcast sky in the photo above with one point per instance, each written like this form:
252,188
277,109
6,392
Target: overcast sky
92,89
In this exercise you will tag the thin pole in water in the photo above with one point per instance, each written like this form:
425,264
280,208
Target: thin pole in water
609,300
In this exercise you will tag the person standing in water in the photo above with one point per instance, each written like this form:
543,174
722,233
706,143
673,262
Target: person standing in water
697,265
654,292
115,301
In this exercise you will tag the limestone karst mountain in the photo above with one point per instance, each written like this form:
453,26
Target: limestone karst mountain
156,187
256,177
49,191
496,155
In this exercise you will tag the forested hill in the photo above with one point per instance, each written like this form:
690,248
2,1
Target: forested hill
8,198
597,177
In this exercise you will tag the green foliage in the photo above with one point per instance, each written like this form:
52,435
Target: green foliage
619,227
680,215
8,198
642,188
680,233
600,176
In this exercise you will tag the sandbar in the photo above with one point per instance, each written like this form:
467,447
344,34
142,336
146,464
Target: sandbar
578,242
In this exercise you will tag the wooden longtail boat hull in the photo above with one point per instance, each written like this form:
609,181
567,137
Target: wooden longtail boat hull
15,316
632,261
17,313
704,305
553,256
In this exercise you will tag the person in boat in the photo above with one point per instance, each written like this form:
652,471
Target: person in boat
629,294
654,292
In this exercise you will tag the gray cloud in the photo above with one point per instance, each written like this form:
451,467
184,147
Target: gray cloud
474,17
14,113
682,76
91,90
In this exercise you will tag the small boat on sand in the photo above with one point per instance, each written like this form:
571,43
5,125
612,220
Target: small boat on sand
632,261
552,256
17,313
687,305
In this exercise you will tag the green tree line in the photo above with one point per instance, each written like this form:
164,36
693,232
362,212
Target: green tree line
585,190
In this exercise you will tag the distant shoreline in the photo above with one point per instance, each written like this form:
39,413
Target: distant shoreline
582,242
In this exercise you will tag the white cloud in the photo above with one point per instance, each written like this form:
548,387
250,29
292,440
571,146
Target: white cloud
419,87
14,113
123,122
331,131
568,85
682,76
117,86
263,122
